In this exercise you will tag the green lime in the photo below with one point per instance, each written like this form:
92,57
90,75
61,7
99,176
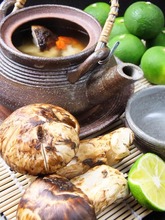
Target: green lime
99,11
118,27
153,65
130,48
159,40
144,19
146,181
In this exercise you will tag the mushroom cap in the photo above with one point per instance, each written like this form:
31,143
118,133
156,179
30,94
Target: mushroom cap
39,139
54,197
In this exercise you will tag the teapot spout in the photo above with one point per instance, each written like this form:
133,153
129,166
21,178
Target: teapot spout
106,83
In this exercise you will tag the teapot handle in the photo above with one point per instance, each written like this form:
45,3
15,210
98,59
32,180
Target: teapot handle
13,4
101,51
5,6
97,57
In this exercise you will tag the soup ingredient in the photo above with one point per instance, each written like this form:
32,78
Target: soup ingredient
159,40
103,185
130,48
106,149
99,10
39,139
45,43
118,28
43,38
68,45
144,19
146,180
54,197
153,65
63,42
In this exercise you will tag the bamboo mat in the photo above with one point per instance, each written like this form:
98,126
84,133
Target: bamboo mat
12,185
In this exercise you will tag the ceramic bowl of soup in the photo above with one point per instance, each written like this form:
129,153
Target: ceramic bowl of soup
145,115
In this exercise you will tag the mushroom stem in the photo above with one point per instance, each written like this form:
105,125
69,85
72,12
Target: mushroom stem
106,149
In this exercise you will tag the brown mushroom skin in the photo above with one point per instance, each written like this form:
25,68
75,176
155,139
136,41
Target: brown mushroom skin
54,198
39,139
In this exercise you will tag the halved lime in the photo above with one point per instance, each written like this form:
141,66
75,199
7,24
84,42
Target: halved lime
146,180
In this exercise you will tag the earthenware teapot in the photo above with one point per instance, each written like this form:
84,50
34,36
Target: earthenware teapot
77,82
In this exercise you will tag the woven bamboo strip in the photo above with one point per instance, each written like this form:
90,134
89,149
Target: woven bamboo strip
109,213
10,206
10,194
136,214
133,153
11,216
17,175
132,157
141,210
8,190
128,164
122,212
7,180
21,178
2,171
9,184
11,211
11,200
132,204
114,208
142,213
141,84
131,209
118,214
4,175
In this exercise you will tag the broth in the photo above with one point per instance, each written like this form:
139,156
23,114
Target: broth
65,45
71,47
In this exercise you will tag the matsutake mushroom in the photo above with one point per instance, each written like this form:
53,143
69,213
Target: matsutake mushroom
44,139
39,139
55,197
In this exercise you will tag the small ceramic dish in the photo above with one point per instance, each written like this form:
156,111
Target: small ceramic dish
145,115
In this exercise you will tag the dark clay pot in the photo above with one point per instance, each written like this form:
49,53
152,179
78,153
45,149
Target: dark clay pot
26,79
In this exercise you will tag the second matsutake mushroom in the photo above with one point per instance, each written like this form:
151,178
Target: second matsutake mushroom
55,197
